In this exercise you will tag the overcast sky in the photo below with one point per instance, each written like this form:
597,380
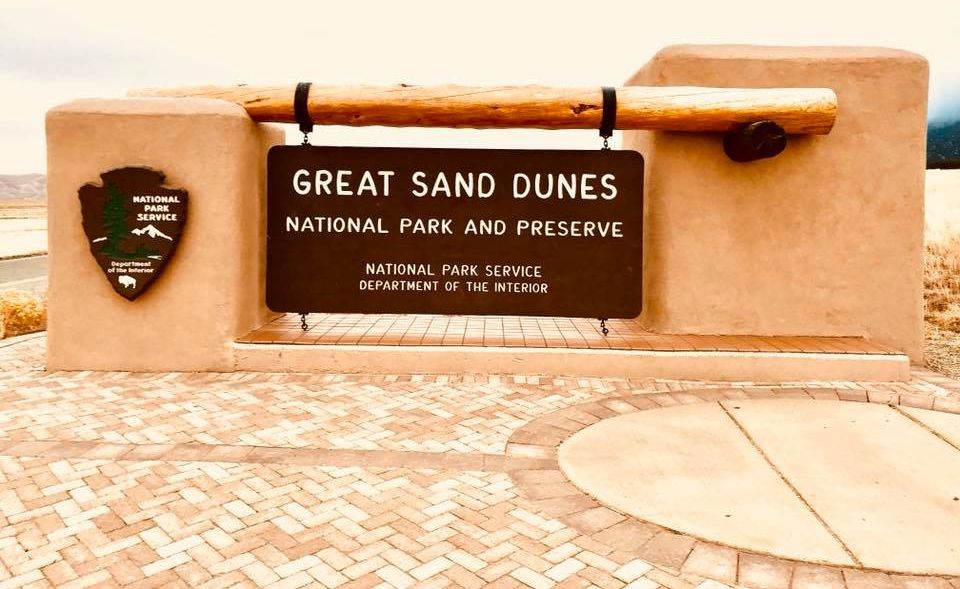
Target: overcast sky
52,52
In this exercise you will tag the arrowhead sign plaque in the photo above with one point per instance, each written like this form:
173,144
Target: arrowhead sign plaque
133,224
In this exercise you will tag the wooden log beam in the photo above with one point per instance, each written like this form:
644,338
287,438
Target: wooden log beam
659,108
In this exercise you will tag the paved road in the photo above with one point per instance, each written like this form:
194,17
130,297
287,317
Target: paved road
24,273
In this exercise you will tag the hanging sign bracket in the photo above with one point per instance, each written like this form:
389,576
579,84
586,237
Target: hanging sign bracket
608,122
302,113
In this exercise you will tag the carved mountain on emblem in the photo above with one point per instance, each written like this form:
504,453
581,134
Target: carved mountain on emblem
151,231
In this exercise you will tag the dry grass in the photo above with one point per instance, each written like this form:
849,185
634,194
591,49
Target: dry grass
942,353
22,312
941,282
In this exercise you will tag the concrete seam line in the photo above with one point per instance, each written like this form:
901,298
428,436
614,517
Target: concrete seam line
12,283
792,487
923,425
304,456
19,339
36,254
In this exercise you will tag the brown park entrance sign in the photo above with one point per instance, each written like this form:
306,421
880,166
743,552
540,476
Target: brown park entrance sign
451,231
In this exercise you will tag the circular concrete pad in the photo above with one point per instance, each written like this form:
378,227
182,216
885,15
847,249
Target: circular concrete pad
841,483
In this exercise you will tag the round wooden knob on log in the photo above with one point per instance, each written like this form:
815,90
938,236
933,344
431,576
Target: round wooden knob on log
755,141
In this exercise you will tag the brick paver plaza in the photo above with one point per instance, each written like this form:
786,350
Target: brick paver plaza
296,480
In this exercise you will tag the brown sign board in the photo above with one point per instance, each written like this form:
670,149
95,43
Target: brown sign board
454,231
133,224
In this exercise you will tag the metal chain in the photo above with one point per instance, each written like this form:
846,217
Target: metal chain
303,316
606,147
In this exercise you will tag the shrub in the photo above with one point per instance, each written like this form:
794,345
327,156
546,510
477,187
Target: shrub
22,312
941,281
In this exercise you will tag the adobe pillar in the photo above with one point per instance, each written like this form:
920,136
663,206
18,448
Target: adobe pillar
211,291
826,239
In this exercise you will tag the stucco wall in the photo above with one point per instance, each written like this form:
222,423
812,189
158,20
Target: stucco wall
825,239
212,289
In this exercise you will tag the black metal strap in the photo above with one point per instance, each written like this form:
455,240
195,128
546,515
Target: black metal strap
300,110
609,120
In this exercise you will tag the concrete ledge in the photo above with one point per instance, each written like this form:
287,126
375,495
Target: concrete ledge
727,366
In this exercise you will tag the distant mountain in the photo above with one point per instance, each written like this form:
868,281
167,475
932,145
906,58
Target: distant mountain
23,187
943,145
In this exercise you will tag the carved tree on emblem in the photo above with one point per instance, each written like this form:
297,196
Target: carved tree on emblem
114,221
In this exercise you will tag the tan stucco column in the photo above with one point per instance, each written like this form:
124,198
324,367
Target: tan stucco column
212,289
825,239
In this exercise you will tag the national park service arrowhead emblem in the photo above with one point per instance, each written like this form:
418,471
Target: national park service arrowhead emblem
133,224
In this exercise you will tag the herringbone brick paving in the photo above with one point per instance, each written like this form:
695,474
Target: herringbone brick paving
166,524
266,480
